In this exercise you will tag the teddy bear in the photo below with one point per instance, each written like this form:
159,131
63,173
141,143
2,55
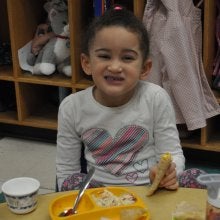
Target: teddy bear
50,48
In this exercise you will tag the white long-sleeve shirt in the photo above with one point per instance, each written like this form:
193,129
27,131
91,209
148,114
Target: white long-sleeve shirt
122,143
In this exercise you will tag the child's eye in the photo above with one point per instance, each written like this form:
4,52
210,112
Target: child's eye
104,56
128,58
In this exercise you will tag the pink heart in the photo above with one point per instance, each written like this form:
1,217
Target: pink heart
131,177
115,154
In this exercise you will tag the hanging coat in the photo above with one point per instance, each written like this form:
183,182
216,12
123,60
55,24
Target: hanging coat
175,34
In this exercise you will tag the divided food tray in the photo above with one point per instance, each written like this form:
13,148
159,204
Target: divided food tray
89,209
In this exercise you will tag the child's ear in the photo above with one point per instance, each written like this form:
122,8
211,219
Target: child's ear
146,69
85,63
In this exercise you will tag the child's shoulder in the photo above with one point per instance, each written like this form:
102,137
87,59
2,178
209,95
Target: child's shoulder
79,96
151,88
153,92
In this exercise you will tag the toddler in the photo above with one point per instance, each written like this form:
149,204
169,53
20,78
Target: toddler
124,123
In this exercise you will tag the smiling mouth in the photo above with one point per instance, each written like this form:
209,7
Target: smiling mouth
113,78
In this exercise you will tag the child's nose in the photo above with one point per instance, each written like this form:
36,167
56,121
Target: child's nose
115,66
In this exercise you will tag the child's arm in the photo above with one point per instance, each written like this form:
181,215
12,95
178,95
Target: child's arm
163,165
69,145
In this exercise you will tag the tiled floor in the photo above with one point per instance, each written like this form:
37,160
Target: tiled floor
19,157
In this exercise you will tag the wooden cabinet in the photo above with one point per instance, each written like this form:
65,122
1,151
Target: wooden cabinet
35,99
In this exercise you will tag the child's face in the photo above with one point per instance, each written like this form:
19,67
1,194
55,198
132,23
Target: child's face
116,64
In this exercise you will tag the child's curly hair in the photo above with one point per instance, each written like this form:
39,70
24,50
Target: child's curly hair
117,16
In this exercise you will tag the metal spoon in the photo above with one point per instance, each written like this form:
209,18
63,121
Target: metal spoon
83,186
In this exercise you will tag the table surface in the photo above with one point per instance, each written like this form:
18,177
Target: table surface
161,204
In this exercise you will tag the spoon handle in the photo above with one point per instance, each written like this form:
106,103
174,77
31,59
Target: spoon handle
83,186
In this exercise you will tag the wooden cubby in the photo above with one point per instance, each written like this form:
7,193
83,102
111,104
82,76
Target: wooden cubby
36,98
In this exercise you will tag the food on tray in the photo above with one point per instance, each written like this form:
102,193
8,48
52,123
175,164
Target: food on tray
163,165
106,198
106,203
134,213
186,211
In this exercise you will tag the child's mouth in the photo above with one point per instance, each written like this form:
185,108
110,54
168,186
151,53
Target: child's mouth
114,78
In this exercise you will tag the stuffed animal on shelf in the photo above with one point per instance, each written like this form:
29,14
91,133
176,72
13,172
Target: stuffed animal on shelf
51,45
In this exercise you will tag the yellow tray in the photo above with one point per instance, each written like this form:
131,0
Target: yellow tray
88,209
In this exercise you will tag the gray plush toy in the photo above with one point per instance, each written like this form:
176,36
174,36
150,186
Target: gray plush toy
51,46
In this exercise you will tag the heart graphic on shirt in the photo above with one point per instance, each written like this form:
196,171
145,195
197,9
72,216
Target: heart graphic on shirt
139,164
131,177
115,154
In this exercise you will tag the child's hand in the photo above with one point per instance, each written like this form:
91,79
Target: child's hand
42,36
169,181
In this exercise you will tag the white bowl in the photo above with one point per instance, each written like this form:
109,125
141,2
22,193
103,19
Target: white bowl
21,194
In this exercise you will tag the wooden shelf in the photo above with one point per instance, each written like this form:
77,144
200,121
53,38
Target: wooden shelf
212,146
52,80
40,122
83,84
6,73
9,117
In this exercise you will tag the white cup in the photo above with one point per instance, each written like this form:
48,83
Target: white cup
21,194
